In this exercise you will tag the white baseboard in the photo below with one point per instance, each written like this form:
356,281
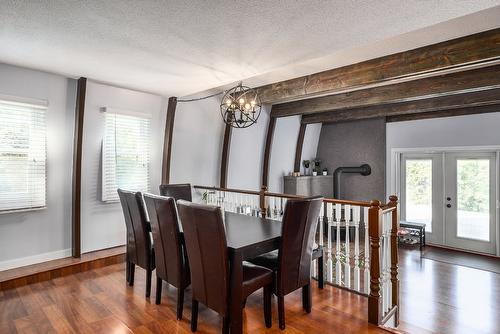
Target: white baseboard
29,260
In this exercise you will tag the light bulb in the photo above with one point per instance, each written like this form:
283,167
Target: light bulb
247,106
242,101
228,102
253,103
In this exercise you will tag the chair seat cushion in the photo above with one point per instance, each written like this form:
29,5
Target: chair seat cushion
268,260
254,278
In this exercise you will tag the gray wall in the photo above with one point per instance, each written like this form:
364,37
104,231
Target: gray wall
40,235
352,144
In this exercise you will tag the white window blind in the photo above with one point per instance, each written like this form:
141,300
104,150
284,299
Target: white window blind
22,156
126,154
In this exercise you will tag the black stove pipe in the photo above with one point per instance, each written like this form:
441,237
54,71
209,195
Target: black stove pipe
364,170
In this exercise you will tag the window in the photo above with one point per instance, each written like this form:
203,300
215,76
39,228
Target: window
22,156
126,159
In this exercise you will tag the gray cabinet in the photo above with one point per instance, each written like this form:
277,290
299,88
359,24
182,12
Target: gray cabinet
309,185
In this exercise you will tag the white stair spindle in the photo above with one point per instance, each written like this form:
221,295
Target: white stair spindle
367,253
347,274
329,257
338,265
355,220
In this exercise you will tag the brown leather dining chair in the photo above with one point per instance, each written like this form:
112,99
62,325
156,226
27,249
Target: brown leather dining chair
170,253
139,247
292,262
206,245
177,191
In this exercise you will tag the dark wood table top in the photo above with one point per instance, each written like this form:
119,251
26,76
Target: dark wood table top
251,235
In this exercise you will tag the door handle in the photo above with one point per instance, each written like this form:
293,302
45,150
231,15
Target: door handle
448,205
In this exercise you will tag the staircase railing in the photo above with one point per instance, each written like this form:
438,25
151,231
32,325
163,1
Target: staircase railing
359,242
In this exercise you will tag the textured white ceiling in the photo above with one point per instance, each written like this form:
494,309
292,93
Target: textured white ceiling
182,47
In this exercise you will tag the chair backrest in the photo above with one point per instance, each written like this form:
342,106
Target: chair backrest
138,239
169,256
299,225
206,245
177,191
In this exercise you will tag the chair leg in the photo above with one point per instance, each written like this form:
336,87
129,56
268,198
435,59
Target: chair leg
225,325
180,303
159,285
132,274
194,316
307,298
149,273
321,275
267,306
281,311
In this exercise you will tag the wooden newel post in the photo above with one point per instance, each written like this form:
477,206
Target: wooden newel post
394,256
262,201
374,230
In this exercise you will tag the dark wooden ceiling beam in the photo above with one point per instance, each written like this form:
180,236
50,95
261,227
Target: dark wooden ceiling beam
463,111
428,105
224,163
167,141
299,146
443,85
267,152
76,208
456,53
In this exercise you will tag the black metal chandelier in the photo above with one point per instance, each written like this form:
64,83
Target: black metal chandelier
240,106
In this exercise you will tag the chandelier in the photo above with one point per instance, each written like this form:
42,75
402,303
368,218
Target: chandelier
240,106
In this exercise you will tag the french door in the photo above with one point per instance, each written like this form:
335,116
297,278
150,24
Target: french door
454,194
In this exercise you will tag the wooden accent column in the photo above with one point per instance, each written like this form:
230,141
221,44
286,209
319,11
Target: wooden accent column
298,148
224,163
77,168
374,230
167,142
394,256
267,150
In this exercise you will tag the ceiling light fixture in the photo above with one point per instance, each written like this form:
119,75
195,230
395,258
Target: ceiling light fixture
240,106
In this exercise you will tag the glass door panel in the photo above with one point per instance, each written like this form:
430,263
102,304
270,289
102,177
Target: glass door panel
473,199
419,191
422,192
470,210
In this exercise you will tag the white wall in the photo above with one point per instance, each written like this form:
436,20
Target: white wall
102,223
41,235
247,152
470,130
197,143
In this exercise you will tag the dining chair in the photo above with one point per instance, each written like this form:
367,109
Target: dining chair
170,253
207,251
177,191
292,262
139,246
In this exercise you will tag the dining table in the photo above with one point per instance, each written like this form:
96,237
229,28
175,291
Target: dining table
247,237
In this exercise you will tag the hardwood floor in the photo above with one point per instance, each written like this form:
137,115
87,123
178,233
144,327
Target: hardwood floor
62,267
99,301
439,297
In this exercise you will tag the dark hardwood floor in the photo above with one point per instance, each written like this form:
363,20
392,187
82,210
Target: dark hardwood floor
99,301
436,297
439,297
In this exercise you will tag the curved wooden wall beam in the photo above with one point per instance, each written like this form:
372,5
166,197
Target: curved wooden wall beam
298,148
267,151
224,163
81,90
167,141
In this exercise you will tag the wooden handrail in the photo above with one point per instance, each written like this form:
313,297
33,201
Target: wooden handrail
280,195
377,230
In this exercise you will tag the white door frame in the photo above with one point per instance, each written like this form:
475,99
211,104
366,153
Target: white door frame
395,168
